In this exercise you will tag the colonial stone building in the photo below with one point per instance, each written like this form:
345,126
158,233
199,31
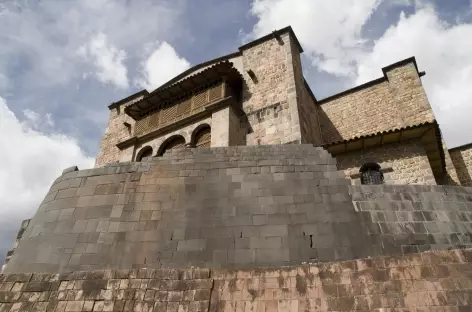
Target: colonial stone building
258,96
230,188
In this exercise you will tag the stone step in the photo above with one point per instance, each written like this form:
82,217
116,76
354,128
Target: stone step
248,153
256,150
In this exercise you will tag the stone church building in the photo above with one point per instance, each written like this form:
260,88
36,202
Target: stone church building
275,211
258,96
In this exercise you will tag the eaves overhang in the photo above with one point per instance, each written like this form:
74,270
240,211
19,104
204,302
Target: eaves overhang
427,133
207,112
223,70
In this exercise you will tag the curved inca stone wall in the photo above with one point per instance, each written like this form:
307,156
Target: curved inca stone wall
237,207
437,281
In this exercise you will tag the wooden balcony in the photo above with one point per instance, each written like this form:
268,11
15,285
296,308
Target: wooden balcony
172,107
186,107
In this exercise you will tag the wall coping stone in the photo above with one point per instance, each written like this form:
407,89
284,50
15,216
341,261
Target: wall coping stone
70,169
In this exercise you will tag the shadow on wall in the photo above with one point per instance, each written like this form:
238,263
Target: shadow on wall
329,132
462,172
245,96
448,180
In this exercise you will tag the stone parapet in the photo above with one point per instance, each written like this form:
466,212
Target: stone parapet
428,281
233,207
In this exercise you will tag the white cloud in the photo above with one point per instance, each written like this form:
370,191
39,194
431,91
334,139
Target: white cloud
36,121
162,64
42,37
108,60
330,31
416,3
332,36
29,162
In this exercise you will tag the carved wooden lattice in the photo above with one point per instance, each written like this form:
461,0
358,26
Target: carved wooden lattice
203,138
200,99
154,120
179,110
215,93
142,125
168,114
176,143
146,152
184,108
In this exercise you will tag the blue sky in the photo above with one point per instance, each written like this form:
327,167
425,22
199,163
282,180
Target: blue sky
63,62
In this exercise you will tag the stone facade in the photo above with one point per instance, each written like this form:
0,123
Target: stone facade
276,106
307,108
428,281
392,102
403,163
116,131
255,223
452,178
186,132
462,159
270,101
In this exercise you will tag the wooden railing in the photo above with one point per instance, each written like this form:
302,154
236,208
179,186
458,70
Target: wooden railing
173,112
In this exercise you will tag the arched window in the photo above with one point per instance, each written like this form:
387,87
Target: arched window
174,142
371,174
144,152
203,137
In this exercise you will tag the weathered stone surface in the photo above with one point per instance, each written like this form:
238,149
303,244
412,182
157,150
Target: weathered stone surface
427,281
405,163
237,207
392,103
462,160
270,103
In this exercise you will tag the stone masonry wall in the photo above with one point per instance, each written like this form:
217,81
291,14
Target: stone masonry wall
462,160
409,94
270,103
428,281
452,178
307,109
186,132
406,163
309,119
233,207
115,132
397,102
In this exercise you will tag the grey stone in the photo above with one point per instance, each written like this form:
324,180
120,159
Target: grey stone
273,230
265,243
79,226
99,212
70,169
241,256
272,256
190,245
238,214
